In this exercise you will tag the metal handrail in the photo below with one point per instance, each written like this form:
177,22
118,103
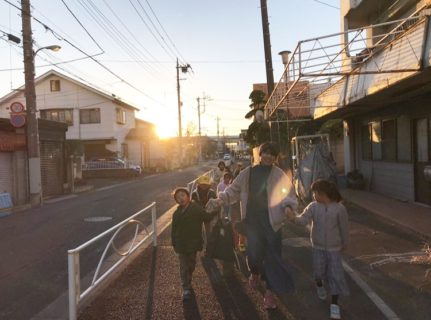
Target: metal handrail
75,295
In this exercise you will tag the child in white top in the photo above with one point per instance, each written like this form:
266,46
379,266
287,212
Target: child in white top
329,236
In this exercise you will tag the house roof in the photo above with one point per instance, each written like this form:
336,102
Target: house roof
52,72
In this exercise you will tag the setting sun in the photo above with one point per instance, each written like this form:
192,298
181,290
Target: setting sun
166,130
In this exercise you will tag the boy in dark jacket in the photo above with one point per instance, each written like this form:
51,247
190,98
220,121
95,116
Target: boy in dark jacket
187,235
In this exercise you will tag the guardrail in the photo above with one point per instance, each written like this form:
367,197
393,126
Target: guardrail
75,295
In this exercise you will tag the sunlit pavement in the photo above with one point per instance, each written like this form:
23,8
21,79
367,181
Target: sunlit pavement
150,288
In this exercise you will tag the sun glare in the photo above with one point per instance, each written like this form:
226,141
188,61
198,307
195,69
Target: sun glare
165,130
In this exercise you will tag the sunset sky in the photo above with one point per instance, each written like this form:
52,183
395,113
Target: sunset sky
221,40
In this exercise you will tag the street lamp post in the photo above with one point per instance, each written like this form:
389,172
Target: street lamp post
33,148
285,60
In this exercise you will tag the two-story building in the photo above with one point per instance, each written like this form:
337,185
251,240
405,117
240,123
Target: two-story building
99,120
378,81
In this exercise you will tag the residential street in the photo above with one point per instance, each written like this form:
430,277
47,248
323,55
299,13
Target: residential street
34,243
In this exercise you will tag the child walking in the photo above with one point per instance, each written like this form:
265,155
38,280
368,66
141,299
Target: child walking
187,236
329,236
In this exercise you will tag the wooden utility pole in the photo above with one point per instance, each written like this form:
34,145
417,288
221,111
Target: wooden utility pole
180,134
274,129
33,150
199,126
267,46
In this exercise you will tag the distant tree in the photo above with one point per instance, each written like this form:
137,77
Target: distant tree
258,131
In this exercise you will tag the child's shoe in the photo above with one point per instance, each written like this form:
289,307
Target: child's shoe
321,293
253,281
335,311
187,294
269,301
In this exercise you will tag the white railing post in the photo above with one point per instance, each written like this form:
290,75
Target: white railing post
154,223
74,283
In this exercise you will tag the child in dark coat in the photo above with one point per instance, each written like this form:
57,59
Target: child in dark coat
187,235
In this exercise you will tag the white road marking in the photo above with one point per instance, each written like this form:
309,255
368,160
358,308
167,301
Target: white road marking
71,196
380,304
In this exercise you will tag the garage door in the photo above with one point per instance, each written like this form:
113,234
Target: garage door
6,172
51,161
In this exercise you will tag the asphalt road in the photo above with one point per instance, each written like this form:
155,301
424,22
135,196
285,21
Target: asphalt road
34,243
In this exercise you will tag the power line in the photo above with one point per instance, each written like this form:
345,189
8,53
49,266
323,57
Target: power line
167,35
326,4
85,29
119,39
155,28
133,36
151,31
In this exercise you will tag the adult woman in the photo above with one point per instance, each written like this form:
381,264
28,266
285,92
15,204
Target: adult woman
266,196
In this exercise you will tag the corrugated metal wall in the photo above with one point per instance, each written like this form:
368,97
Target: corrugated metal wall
51,157
6,172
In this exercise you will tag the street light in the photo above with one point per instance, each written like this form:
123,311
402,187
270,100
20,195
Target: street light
54,48
285,60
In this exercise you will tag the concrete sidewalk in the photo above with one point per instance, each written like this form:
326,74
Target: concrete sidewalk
150,289
413,217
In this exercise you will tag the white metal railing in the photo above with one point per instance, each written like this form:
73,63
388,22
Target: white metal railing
75,295
101,164
318,64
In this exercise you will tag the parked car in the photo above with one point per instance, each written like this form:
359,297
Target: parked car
227,159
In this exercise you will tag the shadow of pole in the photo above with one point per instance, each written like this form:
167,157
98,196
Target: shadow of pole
151,281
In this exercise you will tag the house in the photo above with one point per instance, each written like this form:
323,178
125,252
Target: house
144,146
380,86
98,120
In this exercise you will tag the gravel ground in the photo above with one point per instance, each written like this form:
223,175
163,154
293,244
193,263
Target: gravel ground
150,289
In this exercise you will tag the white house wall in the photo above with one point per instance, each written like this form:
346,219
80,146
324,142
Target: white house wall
76,97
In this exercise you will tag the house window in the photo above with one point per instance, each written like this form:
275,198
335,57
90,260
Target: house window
60,115
389,143
376,140
366,142
121,116
89,116
404,141
54,85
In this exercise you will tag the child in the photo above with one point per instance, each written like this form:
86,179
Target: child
203,191
187,235
227,180
329,236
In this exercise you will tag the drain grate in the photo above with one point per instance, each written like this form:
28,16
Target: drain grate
97,219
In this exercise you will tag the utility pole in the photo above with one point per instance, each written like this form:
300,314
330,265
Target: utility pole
199,126
180,134
33,151
268,63
267,47
184,69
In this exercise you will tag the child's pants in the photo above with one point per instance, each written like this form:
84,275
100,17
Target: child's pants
187,266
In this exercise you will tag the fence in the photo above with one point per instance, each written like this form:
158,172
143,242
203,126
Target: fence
75,295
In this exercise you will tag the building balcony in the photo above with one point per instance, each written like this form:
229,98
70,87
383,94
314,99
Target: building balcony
374,65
